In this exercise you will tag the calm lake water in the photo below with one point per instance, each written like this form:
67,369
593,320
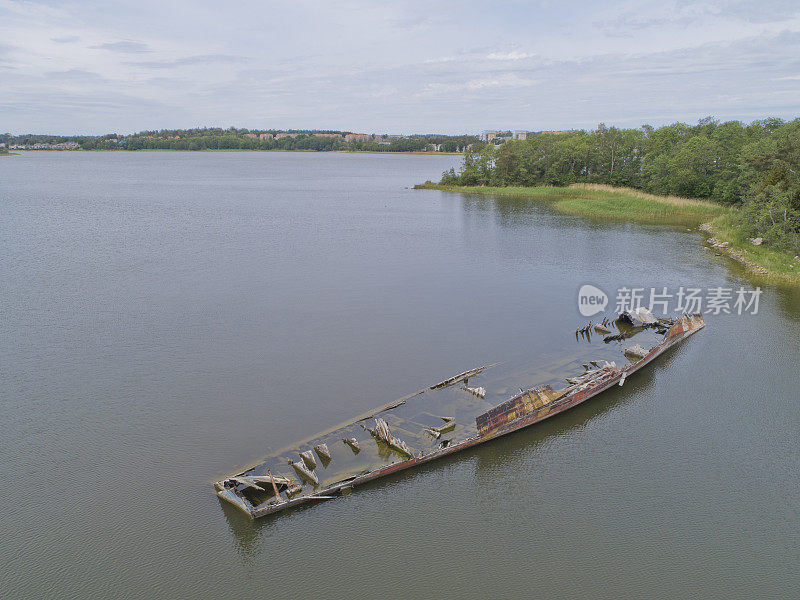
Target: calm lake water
169,317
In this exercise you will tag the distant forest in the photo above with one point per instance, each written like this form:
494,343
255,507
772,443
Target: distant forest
246,139
755,167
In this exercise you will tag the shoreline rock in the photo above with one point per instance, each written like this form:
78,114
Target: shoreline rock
731,252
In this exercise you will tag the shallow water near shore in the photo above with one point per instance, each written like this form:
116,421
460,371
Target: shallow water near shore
169,317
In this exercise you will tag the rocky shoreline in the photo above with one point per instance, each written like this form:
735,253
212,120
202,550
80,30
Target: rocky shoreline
732,252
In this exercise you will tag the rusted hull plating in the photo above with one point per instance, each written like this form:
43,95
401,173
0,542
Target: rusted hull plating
523,410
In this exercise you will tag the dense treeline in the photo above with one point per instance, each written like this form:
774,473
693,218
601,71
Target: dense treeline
417,143
214,138
754,167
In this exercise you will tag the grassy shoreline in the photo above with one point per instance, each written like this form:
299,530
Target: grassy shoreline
603,201
626,204
727,238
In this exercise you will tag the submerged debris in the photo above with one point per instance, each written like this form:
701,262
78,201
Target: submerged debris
459,378
353,443
601,329
621,336
304,473
293,490
637,351
382,433
322,451
257,482
449,425
638,317
585,331
478,391
308,459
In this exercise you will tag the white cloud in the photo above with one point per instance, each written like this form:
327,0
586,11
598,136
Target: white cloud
513,55
124,47
200,59
411,66
505,80
444,59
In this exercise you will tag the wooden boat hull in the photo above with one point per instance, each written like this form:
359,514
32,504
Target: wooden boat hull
573,395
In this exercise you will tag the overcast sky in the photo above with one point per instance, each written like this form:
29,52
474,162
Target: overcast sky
97,66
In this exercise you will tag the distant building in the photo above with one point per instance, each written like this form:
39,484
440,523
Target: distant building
48,146
250,135
285,135
358,137
265,136
328,135
491,135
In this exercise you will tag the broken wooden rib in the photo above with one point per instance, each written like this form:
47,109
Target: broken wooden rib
304,472
382,433
309,460
353,443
